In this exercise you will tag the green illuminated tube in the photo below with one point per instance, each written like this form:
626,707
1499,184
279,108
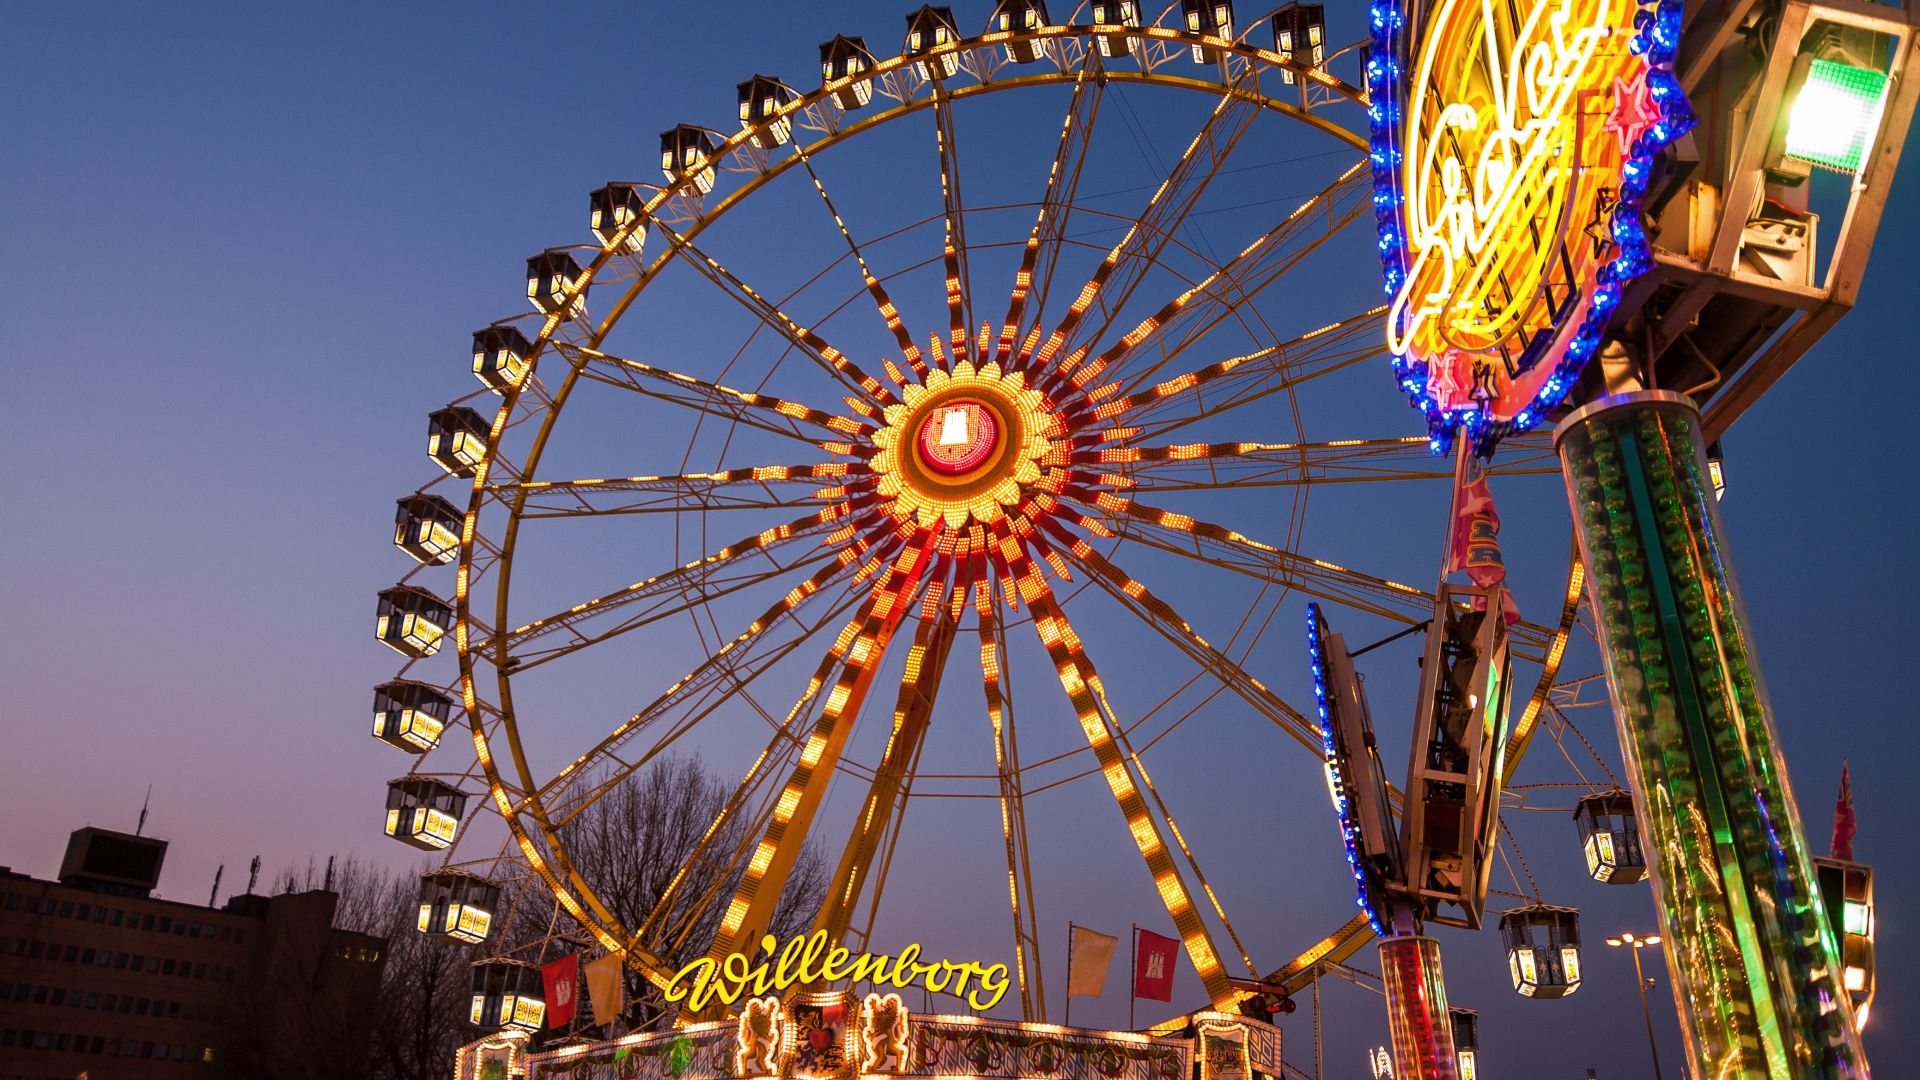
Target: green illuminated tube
1753,959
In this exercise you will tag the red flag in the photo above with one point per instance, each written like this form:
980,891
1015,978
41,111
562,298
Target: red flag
1843,818
1473,545
1153,966
560,978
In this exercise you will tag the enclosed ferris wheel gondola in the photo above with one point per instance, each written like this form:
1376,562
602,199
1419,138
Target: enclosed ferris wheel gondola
1466,1041
427,527
411,621
507,993
410,715
1300,35
457,439
501,356
556,283
686,152
424,811
615,207
1207,18
843,58
761,99
457,905
1543,949
928,29
1116,13
1610,837
1020,17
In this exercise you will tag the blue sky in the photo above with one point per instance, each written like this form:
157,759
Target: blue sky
250,246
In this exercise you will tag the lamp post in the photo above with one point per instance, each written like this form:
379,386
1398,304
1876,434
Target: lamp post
1640,980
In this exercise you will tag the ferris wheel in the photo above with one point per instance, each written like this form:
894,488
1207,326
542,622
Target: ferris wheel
964,461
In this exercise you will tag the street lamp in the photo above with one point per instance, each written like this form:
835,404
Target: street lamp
1639,978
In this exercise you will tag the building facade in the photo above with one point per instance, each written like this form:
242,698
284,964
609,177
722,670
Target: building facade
98,976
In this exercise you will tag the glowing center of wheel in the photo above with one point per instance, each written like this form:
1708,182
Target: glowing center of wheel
958,437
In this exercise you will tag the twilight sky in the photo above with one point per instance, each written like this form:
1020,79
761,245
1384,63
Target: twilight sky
248,250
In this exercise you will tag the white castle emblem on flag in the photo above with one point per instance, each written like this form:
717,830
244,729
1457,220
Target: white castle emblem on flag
1157,966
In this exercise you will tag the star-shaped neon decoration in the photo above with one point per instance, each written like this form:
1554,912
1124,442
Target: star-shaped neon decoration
1634,111
1450,379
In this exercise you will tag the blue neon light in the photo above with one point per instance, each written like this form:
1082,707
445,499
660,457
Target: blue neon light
1349,830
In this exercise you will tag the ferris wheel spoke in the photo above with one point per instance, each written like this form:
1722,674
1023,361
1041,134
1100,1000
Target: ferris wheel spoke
996,679
683,586
1229,290
1215,545
762,411
1229,384
1128,260
1201,466
743,654
876,287
959,280
751,487
1081,681
807,341
1160,615
754,898
885,802
1044,244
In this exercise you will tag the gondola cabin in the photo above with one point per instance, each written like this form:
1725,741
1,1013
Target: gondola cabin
617,211
1610,837
424,812
556,284
1020,17
457,439
929,29
411,621
844,58
1207,18
761,99
427,527
1109,13
1300,36
507,994
457,905
1543,949
686,153
1466,1041
502,356
1846,889
410,715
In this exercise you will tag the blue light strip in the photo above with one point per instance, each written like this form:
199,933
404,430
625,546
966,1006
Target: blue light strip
1656,36
1348,830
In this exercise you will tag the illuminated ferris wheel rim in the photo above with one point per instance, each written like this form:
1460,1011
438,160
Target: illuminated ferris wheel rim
465,627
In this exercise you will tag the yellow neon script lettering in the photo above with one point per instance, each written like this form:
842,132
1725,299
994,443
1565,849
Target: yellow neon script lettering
1489,178
800,961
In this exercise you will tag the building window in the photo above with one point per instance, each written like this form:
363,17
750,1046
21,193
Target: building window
146,922
86,956
59,997
84,913
39,995
120,961
239,935
13,901
33,905
195,932
65,1042
73,952
34,952
20,992
116,916
153,965
146,1049
166,924
66,910
199,971
226,932
166,967
100,915
109,1002
104,958
6,1036
126,1004
173,1010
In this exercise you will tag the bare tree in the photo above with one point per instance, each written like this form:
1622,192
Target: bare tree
629,845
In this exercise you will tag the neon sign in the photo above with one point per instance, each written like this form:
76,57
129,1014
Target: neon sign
1508,177
806,960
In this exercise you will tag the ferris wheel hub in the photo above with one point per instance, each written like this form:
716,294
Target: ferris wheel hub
958,436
